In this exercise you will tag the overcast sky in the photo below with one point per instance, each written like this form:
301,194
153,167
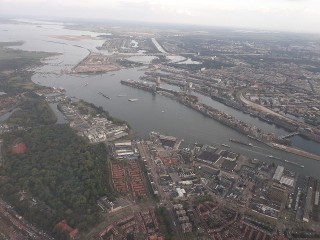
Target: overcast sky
288,15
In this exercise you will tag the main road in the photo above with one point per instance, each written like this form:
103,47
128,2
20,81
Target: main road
163,196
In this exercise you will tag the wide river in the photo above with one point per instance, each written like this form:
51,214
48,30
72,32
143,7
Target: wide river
151,112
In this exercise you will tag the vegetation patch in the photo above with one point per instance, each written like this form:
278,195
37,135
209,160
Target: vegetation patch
91,109
165,226
59,176
34,111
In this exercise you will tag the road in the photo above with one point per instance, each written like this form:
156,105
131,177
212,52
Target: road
1,159
163,196
20,224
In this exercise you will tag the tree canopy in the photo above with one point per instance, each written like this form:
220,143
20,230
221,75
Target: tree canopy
59,171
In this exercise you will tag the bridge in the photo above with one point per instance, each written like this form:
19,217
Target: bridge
289,135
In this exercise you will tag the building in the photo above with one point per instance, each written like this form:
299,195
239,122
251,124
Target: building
105,204
124,150
63,226
208,155
288,181
278,192
181,192
228,165
208,172
278,173
308,206
186,227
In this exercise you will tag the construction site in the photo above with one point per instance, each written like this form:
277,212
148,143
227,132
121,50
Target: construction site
96,63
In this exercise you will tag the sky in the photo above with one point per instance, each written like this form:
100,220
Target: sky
281,15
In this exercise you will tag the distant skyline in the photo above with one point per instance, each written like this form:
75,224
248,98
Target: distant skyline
281,15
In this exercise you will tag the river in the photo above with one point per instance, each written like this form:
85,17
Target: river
151,112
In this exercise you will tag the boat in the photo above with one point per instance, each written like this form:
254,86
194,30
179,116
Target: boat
133,99
102,94
270,156
302,166
240,142
120,95
225,145
86,84
254,138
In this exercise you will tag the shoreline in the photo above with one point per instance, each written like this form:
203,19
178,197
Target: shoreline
284,148
293,150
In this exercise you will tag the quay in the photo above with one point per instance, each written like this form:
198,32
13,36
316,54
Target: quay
293,150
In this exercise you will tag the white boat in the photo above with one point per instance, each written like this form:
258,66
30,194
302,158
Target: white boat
225,145
133,99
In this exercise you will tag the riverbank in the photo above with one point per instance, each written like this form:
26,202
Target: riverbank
188,101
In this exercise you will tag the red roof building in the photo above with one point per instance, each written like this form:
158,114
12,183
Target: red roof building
65,227
19,148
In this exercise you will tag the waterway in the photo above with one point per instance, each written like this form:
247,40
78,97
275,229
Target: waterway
60,117
6,116
151,112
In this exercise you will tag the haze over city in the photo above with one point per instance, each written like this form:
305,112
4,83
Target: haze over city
281,15
159,120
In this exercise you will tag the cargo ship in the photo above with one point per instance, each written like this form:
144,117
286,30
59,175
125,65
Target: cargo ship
133,99
103,95
254,138
240,142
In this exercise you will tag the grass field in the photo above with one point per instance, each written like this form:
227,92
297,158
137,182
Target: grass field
13,59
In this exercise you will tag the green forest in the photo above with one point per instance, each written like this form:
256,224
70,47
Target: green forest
91,109
61,175
34,111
